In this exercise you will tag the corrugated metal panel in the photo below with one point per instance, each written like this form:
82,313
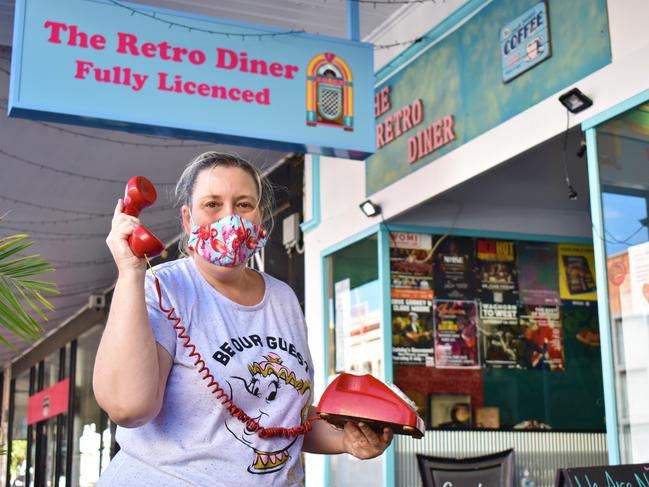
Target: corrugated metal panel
541,453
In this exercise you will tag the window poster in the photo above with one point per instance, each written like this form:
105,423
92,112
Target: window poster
455,268
500,333
456,342
497,270
542,340
577,272
538,273
412,332
411,265
639,277
343,309
620,296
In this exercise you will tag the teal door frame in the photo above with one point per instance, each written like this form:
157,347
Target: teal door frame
383,264
589,126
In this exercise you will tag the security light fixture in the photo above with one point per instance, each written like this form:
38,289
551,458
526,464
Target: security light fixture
572,194
575,101
370,209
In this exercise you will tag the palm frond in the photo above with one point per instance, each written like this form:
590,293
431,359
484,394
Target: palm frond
21,296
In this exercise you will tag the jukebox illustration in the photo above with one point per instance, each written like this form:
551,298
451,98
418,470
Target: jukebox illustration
329,99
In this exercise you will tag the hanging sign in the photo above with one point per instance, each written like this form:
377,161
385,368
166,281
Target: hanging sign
125,66
49,402
525,41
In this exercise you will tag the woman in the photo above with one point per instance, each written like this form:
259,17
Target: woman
247,326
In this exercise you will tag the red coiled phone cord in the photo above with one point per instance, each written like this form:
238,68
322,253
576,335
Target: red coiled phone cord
216,389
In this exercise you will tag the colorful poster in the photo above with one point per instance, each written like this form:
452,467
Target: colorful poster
343,308
411,265
577,272
542,340
456,342
500,334
454,272
538,273
619,285
639,276
497,271
412,332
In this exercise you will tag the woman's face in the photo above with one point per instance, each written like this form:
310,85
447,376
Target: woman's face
222,191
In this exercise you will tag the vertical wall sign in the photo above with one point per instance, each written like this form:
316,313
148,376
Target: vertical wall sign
525,41
136,68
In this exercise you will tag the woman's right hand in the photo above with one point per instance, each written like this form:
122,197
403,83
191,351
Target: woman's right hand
122,226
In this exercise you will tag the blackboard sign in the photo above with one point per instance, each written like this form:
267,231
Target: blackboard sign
636,475
487,471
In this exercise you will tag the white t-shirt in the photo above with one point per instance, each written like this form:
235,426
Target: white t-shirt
258,354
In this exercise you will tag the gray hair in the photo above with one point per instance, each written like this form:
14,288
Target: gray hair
209,160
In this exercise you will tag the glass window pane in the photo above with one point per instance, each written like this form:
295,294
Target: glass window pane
355,343
355,309
494,334
622,151
54,430
18,461
90,426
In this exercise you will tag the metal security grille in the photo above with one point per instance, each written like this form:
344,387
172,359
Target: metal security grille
330,103
540,453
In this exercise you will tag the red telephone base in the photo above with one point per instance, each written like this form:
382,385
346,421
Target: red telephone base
398,429
365,398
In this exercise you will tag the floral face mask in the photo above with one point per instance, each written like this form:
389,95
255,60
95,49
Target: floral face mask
228,242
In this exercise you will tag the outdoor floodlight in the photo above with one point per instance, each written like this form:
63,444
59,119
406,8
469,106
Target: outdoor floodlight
575,101
370,209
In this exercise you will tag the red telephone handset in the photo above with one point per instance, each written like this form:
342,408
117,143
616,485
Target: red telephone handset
140,193
364,398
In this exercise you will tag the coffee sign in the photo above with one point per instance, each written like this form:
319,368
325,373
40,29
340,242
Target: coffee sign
525,41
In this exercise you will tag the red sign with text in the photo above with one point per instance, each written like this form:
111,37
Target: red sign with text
49,402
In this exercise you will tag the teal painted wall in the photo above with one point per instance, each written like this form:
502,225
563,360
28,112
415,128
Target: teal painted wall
462,76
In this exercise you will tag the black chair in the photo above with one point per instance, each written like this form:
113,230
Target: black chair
496,470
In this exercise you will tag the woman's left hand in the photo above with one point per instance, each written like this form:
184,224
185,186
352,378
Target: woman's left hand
363,442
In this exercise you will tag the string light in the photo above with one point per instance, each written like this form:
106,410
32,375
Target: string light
80,263
181,144
80,305
75,212
53,222
68,236
170,24
76,293
50,208
402,43
81,284
69,173
123,142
